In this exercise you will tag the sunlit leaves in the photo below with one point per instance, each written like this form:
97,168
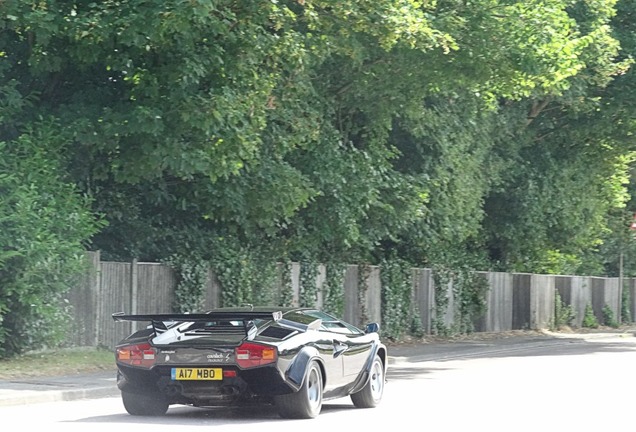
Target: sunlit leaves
317,126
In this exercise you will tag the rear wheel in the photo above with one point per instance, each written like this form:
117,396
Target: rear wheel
371,395
305,403
142,405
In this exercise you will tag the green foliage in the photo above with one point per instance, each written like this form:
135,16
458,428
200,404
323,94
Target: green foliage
364,273
455,277
540,46
416,329
46,224
449,147
626,312
563,314
397,286
442,278
333,289
609,317
286,288
308,295
192,277
309,127
260,132
247,276
589,319
471,289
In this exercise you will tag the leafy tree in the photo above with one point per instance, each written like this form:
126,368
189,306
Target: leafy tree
615,123
434,133
573,166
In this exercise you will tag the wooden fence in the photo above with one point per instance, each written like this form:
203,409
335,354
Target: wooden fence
515,300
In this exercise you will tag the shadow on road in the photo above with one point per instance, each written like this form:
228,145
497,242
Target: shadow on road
184,415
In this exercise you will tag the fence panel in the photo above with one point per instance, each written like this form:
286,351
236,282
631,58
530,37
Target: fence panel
515,300
581,297
155,289
542,301
115,296
598,297
424,297
613,297
521,283
498,315
84,300
631,286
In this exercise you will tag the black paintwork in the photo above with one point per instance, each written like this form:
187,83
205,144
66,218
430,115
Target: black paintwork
344,352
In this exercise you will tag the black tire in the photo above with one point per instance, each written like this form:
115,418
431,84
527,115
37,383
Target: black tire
306,403
371,395
142,405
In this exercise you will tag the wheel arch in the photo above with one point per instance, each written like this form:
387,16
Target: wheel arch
297,371
378,351
383,354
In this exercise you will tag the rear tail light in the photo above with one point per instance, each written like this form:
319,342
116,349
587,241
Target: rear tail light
229,373
249,355
141,355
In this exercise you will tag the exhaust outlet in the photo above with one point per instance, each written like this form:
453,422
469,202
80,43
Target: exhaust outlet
230,391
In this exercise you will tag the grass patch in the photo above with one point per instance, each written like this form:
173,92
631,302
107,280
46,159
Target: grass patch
67,361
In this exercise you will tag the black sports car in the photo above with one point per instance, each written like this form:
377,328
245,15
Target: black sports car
293,358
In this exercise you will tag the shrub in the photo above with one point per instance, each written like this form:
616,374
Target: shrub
563,314
589,319
609,318
45,227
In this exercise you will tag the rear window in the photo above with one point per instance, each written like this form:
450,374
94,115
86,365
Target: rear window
276,332
330,323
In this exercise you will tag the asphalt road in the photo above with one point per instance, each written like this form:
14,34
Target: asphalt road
528,383
404,359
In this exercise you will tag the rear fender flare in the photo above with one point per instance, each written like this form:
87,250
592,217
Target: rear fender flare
380,351
298,368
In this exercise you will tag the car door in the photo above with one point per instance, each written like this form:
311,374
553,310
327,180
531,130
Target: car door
358,349
350,344
329,349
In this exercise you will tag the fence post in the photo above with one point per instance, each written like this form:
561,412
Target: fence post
133,291
97,287
351,302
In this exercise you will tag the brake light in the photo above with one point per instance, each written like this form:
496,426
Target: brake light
229,373
142,355
249,355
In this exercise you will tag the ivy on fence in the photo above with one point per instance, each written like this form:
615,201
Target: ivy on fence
192,274
396,278
333,289
468,290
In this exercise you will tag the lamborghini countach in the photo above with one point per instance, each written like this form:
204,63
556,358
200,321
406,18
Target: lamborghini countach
291,358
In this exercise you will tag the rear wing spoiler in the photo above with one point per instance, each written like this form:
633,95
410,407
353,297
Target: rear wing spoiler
158,321
197,317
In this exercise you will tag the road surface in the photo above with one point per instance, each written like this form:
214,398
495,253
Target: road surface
571,384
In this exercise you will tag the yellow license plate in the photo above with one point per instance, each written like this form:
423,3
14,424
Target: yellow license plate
197,374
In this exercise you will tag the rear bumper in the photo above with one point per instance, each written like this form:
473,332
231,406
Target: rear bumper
252,384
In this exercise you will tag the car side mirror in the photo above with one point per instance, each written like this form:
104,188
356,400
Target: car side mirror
372,328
